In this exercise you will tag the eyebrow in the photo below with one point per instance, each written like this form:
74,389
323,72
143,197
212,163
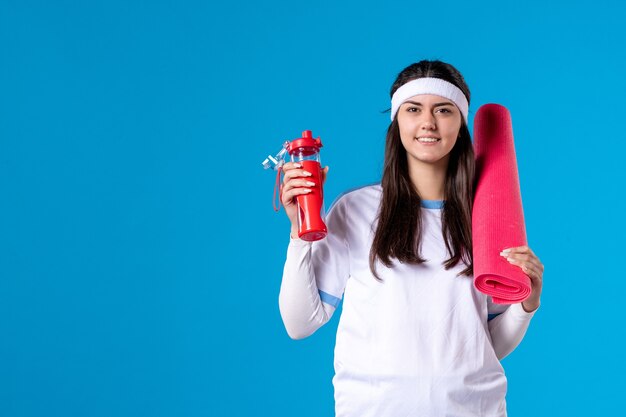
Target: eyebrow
436,104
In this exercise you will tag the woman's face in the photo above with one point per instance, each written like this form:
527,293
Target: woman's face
429,127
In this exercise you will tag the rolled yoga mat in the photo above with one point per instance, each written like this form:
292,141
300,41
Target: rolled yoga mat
498,215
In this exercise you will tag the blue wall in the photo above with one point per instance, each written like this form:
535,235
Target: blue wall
140,258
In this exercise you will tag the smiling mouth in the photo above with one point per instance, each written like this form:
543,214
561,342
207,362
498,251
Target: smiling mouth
428,140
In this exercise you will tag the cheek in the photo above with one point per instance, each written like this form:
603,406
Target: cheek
406,130
451,132
404,135
404,142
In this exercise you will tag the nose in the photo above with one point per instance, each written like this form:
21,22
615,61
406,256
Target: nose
428,122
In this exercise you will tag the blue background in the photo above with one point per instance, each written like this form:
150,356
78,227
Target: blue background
140,258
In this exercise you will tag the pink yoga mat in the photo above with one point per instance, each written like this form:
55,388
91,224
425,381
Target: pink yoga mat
498,215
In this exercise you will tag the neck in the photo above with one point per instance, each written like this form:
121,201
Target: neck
429,179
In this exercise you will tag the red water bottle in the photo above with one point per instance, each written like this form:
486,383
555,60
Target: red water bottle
306,152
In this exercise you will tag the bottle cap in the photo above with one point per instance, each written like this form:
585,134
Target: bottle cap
306,141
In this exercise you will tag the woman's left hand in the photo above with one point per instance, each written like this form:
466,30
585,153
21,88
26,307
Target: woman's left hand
523,257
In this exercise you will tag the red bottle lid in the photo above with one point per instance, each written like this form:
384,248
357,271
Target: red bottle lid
306,141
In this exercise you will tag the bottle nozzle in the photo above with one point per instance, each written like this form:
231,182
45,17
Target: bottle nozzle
277,161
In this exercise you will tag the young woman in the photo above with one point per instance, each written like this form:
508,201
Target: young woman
415,337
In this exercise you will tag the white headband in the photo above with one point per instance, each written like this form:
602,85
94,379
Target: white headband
435,86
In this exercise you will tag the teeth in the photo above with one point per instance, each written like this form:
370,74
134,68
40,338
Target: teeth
428,139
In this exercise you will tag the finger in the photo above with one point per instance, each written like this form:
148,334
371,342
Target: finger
527,267
536,264
296,183
519,249
518,259
527,258
532,272
294,169
522,252
291,165
518,255
516,249
295,173
290,196
324,174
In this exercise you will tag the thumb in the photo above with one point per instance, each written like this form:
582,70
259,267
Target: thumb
324,173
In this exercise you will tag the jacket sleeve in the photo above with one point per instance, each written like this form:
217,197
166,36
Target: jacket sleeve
508,328
314,277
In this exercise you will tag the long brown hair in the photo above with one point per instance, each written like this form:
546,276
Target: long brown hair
399,231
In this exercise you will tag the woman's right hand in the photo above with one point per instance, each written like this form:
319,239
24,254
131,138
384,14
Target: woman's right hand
296,182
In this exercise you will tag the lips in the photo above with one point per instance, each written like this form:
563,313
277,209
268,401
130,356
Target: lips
428,139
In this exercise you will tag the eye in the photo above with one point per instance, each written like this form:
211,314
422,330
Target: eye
444,110
412,109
